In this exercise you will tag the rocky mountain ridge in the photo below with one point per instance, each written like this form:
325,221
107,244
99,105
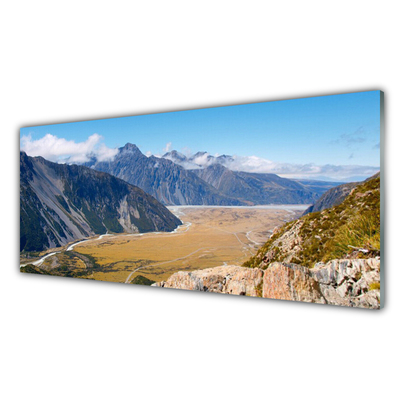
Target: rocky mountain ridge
172,181
61,203
168,182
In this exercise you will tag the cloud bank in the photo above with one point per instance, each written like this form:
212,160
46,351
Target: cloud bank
288,170
61,150
255,164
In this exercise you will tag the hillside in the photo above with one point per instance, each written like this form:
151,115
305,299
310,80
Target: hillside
60,203
348,230
335,196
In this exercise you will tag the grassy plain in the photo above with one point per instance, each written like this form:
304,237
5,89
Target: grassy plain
208,238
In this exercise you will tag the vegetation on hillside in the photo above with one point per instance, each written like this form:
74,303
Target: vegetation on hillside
142,280
348,230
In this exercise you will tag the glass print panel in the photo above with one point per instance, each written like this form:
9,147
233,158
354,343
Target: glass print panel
277,200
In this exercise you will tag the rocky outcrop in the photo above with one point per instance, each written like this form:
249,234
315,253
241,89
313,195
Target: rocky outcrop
229,279
349,282
352,283
291,282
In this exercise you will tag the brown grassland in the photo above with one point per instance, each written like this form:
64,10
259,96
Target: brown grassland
209,237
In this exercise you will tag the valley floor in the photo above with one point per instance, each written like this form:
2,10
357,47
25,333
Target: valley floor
209,237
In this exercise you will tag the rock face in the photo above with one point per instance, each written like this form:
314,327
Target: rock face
60,203
291,282
229,279
352,283
349,282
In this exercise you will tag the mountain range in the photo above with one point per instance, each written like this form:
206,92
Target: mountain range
61,203
202,179
199,160
168,182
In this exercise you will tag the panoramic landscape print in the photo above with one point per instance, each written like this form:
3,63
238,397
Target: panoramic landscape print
276,200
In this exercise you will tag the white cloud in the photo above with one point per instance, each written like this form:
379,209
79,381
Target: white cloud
288,170
104,153
255,164
57,149
203,160
167,147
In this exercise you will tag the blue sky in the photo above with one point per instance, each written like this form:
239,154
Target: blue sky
338,130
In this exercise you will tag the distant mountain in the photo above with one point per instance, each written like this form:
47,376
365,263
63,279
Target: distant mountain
199,160
257,188
332,197
168,182
202,179
175,156
60,203
317,186
336,195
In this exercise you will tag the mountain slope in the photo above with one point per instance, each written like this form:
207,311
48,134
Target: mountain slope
318,187
335,196
61,203
168,182
256,188
348,230
332,197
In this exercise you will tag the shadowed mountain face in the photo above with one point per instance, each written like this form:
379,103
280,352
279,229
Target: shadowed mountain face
168,182
60,203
